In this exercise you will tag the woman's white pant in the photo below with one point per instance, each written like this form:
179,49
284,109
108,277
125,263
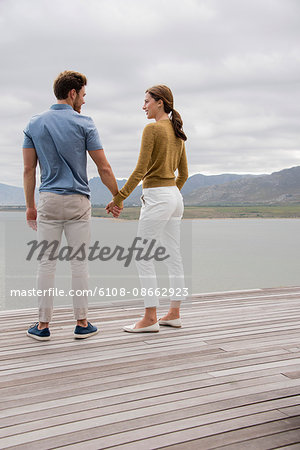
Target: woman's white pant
160,219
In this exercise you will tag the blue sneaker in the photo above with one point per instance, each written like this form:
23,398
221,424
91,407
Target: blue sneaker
85,332
40,335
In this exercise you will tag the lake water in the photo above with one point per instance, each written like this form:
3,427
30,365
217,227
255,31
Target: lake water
219,255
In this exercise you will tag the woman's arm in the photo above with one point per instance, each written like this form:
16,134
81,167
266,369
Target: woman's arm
182,170
141,168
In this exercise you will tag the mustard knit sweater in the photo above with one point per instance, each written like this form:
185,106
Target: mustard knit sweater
161,154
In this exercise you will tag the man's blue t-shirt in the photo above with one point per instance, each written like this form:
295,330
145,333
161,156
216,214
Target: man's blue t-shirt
61,137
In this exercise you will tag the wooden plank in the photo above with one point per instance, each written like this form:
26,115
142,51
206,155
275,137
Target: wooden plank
283,440
236,359
210,394
140,434
106,355
248,368
131,378
157,437
292,411
134,400
162,417
291,446
293,375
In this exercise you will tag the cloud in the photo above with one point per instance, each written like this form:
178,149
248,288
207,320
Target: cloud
233,67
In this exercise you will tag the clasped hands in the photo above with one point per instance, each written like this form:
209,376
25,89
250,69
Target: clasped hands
114,209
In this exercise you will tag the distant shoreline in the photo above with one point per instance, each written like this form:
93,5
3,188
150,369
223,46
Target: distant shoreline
203,212
219,212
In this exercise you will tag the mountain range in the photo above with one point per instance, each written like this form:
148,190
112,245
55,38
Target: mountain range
226,189
100,195
281,187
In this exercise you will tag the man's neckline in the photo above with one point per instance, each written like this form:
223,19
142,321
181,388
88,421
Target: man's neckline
61,106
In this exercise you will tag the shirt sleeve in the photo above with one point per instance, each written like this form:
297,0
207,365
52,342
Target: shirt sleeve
141,168
93,141
182,170
28,142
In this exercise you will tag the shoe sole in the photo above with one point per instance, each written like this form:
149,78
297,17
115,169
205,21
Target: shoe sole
144,331
168,325
85,336
39,338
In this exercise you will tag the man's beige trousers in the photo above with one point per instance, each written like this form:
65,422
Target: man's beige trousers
57,214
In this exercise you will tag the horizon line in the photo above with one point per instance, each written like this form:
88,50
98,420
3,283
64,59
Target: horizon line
191,175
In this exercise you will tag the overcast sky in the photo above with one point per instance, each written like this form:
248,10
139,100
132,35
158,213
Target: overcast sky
233,66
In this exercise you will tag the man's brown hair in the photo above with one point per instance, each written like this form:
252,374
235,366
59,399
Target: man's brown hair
66,81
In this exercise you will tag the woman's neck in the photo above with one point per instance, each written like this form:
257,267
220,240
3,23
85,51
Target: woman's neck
161,116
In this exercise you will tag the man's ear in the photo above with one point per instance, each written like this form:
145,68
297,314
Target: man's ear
72,94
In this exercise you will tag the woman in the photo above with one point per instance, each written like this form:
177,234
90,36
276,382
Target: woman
162,153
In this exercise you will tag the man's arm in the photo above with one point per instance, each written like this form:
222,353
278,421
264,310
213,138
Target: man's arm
106,175
104,170
30,162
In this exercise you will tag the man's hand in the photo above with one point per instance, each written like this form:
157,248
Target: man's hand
31,215
30,163
114,209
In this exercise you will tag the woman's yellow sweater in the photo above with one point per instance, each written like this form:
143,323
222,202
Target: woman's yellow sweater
161,154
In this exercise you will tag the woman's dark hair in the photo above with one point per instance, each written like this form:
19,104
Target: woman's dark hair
162,92
66,81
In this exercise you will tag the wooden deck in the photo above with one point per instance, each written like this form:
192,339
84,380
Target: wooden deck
230,378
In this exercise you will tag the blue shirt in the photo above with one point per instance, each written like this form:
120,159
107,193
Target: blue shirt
61,137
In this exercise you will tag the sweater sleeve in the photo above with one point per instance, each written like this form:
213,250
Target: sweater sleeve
141,168
182,170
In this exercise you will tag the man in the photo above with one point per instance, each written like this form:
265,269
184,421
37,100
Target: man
59,139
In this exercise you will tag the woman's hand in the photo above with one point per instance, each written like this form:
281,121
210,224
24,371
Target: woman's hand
114,209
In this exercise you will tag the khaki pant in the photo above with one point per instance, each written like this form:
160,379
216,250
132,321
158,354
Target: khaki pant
71,214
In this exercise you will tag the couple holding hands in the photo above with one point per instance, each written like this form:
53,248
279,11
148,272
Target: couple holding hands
59,140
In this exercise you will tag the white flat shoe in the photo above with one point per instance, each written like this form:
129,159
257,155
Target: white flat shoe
151,329
175,323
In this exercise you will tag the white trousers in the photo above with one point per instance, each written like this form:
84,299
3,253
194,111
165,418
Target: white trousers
160,219
71,214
